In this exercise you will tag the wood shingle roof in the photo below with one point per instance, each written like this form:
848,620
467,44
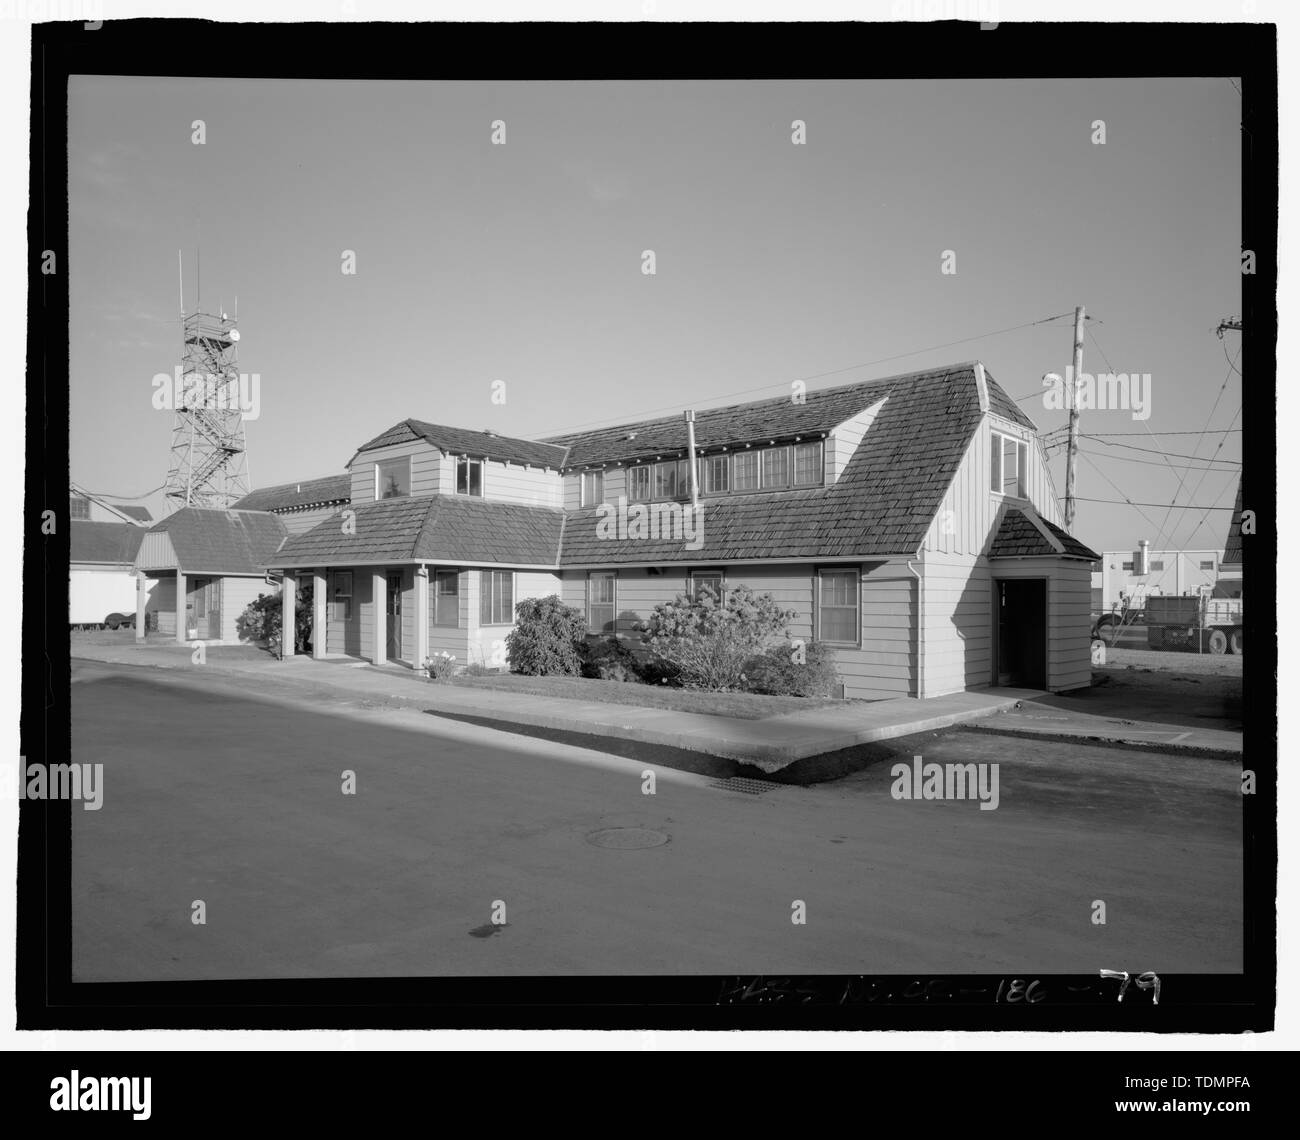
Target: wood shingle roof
463,441
213,541
308,493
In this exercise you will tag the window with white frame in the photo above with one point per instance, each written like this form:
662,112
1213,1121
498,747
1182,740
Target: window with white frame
601,604
708,582
593,488
744,471
776,468
838,619
469,476
446,598
1208,565
1010,457
341,595
714,474
807,464
393,478
496,603
638,484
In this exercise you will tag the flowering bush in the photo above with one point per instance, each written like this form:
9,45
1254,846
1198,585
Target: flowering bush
611,660
705,645
548,637
440,666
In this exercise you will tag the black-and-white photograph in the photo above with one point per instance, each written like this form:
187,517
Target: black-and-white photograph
582,528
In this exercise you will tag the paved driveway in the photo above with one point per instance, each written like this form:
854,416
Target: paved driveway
213,795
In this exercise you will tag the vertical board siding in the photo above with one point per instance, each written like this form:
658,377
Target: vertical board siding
958,628
1069,620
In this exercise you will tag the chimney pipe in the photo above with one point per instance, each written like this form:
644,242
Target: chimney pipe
690,451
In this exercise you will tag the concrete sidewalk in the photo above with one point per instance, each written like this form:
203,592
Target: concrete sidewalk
769,744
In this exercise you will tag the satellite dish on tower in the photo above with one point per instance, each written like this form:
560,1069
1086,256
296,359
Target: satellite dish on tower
234,334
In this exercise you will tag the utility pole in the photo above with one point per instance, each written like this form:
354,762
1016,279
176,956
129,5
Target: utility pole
1072,453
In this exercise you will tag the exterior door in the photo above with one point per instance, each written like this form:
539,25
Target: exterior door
1022,632
202,609
394,621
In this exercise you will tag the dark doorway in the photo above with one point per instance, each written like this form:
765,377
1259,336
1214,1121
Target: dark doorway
395,616
1022,632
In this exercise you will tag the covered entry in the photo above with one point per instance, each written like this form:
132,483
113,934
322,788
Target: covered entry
203,609
1020,643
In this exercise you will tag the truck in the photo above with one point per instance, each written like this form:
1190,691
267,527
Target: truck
1194,621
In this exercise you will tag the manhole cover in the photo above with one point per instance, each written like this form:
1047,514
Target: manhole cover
627,838
746,785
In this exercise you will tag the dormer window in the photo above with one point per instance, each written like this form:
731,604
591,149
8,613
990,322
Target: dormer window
393,478
1010,458
807,464
469,476
593,488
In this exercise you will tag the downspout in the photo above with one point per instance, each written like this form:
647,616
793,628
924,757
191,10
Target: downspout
920,630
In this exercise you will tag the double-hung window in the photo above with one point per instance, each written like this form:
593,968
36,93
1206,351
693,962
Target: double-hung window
744,471
837,607
776,468
600,602
446,598
593,488
807,464
707,582
341,594
638,484
496,603
469,476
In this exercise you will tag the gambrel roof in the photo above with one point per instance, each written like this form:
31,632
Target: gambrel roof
105,543
208,540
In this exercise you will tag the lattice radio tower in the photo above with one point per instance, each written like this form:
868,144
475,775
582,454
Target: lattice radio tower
209,461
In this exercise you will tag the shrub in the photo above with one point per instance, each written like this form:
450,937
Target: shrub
611,660
548,637
704,645
440,666
779,672
262,618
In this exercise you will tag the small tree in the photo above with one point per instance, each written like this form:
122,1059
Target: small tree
548,637
704,644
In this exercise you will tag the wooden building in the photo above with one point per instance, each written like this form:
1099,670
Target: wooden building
910,523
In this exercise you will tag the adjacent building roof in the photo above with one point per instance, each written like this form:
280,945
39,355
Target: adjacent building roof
292,496
1026,534
141,513
434,528
213,541
105,543
776,419
479,444
1232,548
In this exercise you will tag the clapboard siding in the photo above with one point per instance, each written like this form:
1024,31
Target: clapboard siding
348,637
1069,607
445,638
426,464
236,594
844,441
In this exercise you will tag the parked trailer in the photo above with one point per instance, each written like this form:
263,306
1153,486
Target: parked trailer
1210,625
101,598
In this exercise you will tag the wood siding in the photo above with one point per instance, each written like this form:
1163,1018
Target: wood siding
968,513
844,441
884,665
958,626
1069,616
510,483
425,468
299,522
236,594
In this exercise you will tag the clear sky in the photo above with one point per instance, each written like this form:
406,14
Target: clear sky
774,262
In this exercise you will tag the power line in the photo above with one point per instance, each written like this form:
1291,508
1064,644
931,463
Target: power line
628,417
1114,434
1153,463
107,495
1130,503
1153,451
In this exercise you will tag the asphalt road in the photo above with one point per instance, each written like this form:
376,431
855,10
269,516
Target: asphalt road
210,794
